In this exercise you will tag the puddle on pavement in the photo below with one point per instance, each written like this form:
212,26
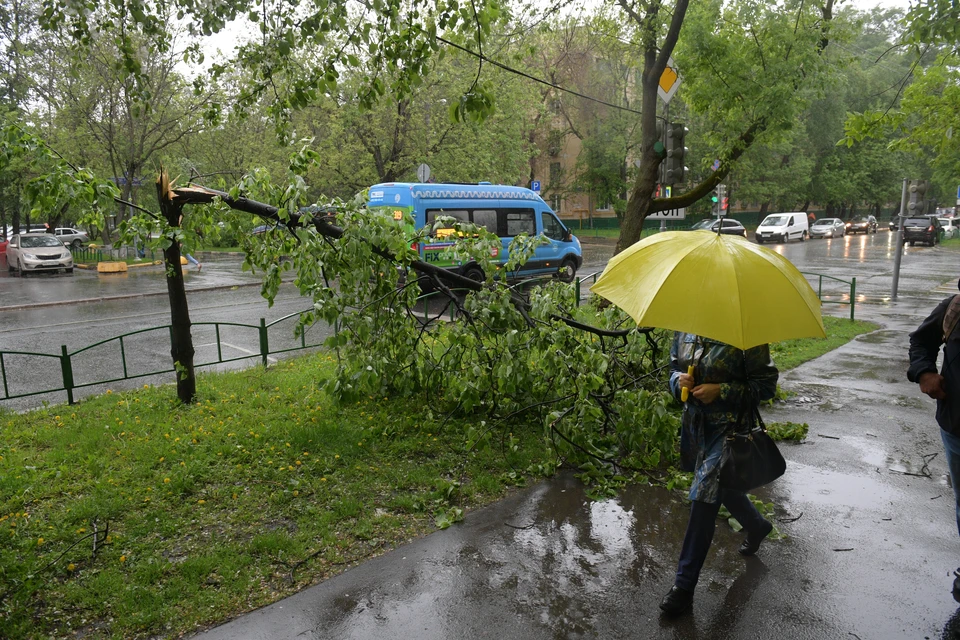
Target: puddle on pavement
833,488
878,337
910,403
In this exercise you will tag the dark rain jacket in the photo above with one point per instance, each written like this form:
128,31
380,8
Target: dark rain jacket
925,345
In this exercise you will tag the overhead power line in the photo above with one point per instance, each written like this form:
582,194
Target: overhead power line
484,58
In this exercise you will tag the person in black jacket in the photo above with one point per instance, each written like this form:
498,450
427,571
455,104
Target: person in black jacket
943,386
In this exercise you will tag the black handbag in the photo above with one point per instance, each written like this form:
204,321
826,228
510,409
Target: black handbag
750,457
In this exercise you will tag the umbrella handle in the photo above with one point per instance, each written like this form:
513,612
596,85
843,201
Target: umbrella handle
684,391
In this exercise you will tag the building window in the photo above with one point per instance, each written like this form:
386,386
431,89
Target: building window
555,172
604,206
556,202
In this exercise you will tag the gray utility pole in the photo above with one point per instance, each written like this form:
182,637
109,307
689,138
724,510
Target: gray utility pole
899,242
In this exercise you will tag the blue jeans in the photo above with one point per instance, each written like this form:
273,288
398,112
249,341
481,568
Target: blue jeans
951,446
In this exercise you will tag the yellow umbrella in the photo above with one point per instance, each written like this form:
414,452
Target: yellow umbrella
717,286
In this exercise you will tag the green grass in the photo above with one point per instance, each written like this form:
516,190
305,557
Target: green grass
791,353
210,507
262,487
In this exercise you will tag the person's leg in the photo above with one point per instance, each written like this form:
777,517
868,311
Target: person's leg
951,447
696,543
754,524
193,260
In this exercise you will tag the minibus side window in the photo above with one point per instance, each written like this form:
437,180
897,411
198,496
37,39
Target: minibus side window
486,218
519,221
459,214
552,227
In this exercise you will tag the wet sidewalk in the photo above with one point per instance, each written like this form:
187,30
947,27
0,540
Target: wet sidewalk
865,506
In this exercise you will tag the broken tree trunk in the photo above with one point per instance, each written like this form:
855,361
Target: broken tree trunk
181,340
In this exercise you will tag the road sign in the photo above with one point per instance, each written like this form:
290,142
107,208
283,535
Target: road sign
423,172
958,193
715,165
535,186
669,82
669,214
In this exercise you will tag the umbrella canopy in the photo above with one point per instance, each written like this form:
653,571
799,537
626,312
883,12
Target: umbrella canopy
717,286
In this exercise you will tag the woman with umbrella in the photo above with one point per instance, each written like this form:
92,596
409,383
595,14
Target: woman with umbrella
725,385
728,299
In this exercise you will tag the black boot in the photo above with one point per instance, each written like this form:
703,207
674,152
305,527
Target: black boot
676,601
752,543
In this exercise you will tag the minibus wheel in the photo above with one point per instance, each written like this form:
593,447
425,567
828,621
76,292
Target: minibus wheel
474,273
568,270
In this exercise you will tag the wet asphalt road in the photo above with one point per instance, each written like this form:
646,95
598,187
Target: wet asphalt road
35,319
868,549
868,552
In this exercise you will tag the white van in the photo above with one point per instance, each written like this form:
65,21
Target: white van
783,227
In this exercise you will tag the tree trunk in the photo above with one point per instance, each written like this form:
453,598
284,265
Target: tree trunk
181,340
763,210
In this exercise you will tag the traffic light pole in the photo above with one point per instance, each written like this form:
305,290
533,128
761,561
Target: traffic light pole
899,241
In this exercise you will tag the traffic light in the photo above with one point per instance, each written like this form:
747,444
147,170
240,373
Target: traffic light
674,171
916,191
719,199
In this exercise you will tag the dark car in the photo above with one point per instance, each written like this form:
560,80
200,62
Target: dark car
862,224
926,229
730,227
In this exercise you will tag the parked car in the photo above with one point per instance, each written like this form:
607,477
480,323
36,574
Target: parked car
926,229
72,237
730,227
895,222
828,228
862,224
38,252
950,227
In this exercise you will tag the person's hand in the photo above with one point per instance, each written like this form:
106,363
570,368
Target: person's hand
685,380
706,393
931,383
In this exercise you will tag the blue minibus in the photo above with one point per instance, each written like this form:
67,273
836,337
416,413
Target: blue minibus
503,210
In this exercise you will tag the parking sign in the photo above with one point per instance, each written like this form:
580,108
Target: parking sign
535,185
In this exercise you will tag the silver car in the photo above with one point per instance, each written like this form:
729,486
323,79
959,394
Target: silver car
72,237
827,228
28,252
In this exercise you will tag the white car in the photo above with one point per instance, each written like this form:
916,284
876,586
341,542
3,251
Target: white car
38,252
72,237
950,228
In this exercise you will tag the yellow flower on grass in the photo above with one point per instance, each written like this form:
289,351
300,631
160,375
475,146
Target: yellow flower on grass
166,480
39,541
123,558
201,501
109,392
71,567
295,493
323,479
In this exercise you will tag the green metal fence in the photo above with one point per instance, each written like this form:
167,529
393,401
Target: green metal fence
851,296
67,358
